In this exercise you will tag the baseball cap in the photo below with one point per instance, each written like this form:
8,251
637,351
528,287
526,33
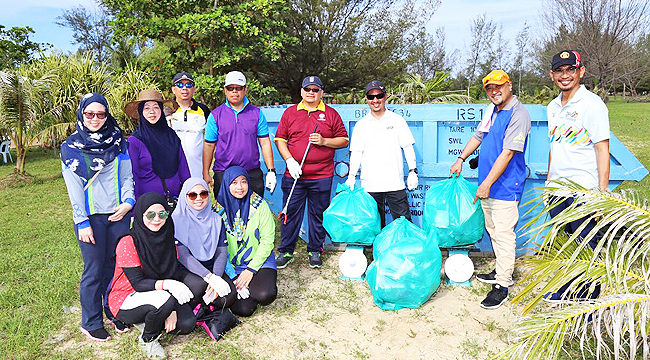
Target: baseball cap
235,78
566,57
312,80
376,84
496,77
182,76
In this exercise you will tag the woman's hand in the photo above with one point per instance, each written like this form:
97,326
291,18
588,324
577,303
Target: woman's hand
244,279
119,212
217,284
170,322
86,235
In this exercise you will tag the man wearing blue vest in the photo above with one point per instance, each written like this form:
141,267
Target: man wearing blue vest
232,133
502,135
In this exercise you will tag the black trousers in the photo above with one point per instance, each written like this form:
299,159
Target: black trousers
263,291
198,286
398,204
256,182
154,317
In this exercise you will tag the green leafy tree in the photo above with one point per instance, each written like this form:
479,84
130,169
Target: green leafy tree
16,47
416,90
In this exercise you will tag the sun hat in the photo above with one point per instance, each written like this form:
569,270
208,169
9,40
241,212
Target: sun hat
131,109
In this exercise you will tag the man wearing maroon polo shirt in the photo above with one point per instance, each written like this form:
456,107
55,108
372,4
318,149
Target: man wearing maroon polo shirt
314,178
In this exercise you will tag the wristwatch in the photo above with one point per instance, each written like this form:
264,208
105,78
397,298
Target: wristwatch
415,170
271,170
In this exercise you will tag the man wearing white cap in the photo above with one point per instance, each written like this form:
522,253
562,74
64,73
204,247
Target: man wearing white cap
231,136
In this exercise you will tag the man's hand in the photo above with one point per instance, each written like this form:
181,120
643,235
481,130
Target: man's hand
351,181
294,168
317,139
208,179
456,167
270,180
483,192
412,181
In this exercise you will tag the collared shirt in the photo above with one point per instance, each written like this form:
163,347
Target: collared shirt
297,123
188,125
573,129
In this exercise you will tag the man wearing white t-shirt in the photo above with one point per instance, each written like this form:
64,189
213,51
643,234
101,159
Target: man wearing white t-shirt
578,130
378,140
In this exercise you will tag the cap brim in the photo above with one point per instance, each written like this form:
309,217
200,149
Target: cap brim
494,83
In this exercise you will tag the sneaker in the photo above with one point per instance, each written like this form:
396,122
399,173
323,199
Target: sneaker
153,349
97,335
120,327
554,298
283,260
490,278
314,260
495,298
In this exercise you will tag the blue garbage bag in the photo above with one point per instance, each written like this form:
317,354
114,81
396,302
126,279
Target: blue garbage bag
352,217
406,268
450,212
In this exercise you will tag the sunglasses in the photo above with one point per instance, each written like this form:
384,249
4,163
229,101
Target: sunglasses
91,115
308,89
188,85
376,96
203,194
235,88
163,214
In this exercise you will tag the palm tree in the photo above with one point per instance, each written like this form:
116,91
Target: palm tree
416,90
616,325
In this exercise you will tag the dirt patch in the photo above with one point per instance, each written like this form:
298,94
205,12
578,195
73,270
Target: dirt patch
16,179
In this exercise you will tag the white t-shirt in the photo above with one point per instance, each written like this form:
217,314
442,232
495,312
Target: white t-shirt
188,125
573,130
381,141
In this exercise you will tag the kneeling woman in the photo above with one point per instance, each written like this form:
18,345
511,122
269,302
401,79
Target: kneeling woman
202,243
149,284
250,227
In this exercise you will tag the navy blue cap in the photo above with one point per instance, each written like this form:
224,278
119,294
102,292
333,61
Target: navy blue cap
376,84
566,57
312,80
182,76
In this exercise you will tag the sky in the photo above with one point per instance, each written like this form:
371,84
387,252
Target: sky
454,15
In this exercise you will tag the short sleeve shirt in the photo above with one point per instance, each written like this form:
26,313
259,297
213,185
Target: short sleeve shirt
297,123
518,128
188,125
381,142
212,130
573,129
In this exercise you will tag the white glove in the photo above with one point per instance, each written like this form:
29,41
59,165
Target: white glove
218,284
350,182
270,180
178,290
294,168
243,293
412,180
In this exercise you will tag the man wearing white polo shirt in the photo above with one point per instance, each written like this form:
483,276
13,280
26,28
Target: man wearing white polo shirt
378,140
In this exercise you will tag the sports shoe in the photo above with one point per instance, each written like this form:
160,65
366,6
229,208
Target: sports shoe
97,335
283,259
554,298
314,260
490,278
120,327
153,349
495,298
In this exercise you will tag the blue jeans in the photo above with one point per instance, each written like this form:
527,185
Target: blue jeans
99,264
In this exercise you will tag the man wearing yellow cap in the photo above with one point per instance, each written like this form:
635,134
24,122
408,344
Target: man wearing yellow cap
502,135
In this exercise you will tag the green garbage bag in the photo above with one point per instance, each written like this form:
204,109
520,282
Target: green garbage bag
352,217
450,212
406,268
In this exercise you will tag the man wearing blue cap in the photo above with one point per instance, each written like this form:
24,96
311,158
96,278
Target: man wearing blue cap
378,141
314,177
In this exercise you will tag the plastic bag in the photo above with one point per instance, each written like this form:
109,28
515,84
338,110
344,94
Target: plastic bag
450,212
352,217
406,268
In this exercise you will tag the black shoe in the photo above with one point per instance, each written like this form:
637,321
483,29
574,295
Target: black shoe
314,260
120,327
283,259
495,298
97,335
490,278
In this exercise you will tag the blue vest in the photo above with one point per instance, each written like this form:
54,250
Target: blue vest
510,185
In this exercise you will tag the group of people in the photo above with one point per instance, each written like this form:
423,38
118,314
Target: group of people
184,261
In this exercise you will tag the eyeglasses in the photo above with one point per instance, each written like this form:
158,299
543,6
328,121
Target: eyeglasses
91,115
314,90
571,70
188,85
376,96
162,214
192,195
235,88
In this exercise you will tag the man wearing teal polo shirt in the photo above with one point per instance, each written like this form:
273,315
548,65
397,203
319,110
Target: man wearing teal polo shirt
502,136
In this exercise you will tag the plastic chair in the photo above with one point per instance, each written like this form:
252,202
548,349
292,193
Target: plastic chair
5,149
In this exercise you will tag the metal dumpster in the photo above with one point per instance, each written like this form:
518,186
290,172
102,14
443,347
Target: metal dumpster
441,131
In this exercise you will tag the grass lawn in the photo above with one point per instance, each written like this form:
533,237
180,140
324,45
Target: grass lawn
41,266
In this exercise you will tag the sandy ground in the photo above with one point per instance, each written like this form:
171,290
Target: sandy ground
319,316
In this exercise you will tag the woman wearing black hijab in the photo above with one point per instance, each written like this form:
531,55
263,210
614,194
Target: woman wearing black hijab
159,163
149,284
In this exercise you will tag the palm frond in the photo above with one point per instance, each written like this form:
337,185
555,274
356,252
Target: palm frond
53,134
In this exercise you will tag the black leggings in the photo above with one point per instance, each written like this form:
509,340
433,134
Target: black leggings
198,286
263,291
154,318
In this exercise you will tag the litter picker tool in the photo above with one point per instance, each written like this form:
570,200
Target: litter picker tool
283,214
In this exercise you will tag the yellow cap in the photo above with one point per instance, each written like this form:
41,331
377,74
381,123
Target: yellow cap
496,77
